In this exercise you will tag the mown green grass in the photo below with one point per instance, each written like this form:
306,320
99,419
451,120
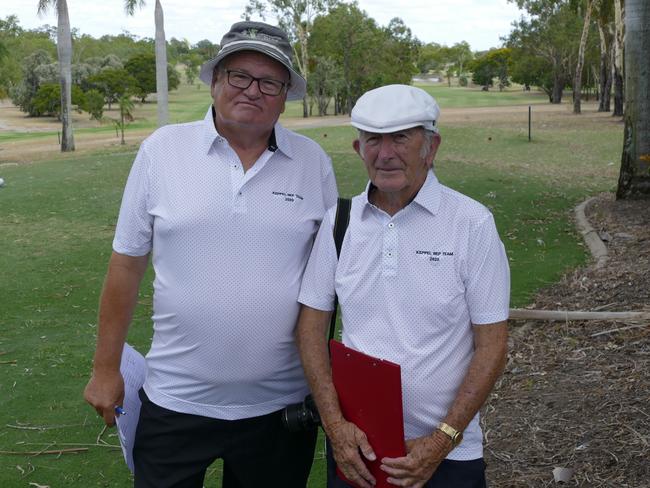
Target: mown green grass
56,224
190,102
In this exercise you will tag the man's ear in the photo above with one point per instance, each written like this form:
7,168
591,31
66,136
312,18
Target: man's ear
356,144
435,144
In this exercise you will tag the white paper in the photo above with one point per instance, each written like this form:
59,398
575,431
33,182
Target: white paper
134,371
562,475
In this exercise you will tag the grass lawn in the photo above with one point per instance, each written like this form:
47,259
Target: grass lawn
56,224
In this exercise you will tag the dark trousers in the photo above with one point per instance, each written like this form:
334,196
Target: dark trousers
450,474
174,450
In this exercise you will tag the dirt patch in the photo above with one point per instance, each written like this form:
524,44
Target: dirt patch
575,394
46,147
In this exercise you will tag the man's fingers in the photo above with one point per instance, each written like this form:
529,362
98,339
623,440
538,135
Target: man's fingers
365,447
359,474
109,417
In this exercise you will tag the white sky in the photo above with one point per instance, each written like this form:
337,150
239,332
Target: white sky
479,22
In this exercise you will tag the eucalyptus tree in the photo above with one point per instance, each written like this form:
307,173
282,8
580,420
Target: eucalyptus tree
619,37
543,48
634,179
605,21
296,18
577,79
64,51
162,107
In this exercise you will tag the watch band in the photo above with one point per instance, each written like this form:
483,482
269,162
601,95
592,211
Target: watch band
455,435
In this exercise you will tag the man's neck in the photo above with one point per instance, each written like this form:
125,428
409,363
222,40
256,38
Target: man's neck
391,203
248,142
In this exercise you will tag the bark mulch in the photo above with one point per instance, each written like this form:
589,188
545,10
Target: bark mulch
576,395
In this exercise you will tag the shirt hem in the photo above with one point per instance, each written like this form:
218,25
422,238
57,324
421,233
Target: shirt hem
222,412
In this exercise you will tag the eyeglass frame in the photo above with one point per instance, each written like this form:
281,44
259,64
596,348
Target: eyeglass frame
284,85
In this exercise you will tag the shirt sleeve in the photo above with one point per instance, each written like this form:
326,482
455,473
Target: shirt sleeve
318,287
330,191
488,275
133,234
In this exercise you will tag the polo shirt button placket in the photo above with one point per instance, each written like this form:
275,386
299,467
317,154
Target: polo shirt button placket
390,250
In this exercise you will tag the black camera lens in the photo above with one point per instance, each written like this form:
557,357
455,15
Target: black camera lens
301,416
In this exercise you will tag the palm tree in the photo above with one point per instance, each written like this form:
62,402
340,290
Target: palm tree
161,57
64,50
126,114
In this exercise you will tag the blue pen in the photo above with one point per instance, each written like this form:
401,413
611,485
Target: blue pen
120,411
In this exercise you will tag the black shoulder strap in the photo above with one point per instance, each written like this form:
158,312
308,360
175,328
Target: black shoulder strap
340,226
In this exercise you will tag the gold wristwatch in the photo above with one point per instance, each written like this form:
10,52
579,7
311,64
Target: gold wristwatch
455,435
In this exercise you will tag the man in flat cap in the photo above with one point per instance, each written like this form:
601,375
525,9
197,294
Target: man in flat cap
423,281
227,208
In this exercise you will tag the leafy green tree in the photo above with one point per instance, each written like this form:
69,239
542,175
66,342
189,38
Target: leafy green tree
547,41
121,46
113,84
483,71
177,49
296,17
47,100
346,35
162,90
192,62
94,104
325,80
430,58
460,54
205,49
142,67
64,49
22,95
369,56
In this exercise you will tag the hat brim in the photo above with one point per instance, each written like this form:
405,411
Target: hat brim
298,86
392,128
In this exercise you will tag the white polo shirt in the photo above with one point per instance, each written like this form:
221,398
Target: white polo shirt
410,287
228,250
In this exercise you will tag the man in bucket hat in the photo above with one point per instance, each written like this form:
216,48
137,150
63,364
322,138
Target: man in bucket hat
227,207
423,281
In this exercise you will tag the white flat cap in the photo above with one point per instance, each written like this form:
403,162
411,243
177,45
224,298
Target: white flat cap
392,108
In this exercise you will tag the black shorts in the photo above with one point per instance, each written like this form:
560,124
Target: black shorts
174,450
450,474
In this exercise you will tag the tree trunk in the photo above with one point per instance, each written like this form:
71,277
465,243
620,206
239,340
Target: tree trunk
605,76
619,37
162,107
558,88
64,49
577,79
634,179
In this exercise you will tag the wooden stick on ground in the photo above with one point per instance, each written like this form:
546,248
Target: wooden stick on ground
38,453
565,315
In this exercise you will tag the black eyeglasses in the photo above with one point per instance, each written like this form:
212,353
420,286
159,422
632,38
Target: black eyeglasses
242,80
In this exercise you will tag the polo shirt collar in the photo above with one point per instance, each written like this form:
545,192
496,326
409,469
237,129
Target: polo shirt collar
428,197
279,139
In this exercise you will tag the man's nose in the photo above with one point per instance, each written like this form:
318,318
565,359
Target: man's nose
253,89
386,149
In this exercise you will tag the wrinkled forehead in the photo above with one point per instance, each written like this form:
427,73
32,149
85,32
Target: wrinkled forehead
247,60
365,134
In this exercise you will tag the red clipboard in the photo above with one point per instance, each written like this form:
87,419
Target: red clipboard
370,396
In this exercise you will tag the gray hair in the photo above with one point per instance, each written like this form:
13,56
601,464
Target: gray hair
424,150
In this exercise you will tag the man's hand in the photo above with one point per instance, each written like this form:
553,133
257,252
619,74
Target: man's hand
104,392
424,455
346,440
